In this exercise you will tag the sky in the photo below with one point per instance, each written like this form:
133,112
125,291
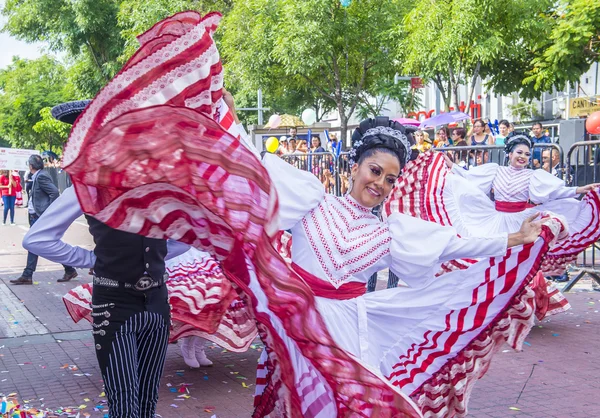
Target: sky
10,46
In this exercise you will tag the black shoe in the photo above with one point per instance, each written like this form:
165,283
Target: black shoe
22,280
67,276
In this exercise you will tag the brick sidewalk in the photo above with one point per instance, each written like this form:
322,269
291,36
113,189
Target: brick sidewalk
57,369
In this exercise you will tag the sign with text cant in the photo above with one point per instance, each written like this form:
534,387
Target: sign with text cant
15,159
583,106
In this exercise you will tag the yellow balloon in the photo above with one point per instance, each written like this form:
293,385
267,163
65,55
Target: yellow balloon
272,144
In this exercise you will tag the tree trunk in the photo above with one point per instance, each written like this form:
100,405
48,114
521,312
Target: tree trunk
453,85
472,87
444,91
343,125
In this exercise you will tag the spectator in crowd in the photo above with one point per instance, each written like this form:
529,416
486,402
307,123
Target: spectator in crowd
283,146
551,163
332,146
423,143
344,182
538,138
443,135
328,180
8,185
315,145
19,189
291,145
504,130
293,134
28,184
301,159
488,131
479,137
315,162
43,193
301,147
458,137
511,128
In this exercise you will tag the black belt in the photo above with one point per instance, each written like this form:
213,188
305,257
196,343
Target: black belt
143,283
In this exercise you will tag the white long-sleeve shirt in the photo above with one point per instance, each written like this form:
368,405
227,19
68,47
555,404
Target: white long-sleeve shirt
45,236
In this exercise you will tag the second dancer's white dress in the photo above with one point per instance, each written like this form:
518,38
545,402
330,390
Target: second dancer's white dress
462,199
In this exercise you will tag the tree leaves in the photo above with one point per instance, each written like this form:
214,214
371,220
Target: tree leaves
27,87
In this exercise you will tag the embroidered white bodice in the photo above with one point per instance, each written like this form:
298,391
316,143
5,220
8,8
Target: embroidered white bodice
515,184
512,184
348,242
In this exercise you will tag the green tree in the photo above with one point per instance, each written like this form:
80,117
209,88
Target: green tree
85,29
454,42
373,103
312,45
523,111
27,87
571,47
52,134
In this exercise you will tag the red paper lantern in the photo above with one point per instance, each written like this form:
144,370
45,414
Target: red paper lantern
592,124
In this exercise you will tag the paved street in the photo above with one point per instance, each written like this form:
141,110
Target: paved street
47,361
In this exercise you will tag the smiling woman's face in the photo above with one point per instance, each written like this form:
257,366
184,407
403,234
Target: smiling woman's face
374,178
520,156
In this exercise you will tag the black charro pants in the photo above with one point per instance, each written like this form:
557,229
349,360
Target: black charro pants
131,333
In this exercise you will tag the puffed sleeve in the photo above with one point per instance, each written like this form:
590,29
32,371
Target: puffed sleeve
299,191
419,247
482,175
544,187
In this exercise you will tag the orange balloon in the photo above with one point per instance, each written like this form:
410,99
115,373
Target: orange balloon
592,123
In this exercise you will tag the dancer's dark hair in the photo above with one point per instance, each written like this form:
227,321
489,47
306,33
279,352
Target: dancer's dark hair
514,139
382,135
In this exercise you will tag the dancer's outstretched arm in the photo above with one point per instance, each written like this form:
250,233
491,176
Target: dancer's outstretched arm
45,236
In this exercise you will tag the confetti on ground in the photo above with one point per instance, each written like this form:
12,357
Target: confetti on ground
514,408
555,335
526,343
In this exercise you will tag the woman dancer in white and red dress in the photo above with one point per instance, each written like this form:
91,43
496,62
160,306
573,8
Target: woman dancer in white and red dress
462,200
143,158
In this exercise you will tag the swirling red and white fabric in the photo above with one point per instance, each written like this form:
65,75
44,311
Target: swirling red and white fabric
169,171
419,193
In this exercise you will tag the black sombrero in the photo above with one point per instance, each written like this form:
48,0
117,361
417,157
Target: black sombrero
70,111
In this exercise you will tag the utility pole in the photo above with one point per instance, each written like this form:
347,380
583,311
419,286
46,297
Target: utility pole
260,108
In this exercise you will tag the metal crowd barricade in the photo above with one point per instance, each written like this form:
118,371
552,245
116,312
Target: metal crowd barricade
583,160
472,156
322,164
